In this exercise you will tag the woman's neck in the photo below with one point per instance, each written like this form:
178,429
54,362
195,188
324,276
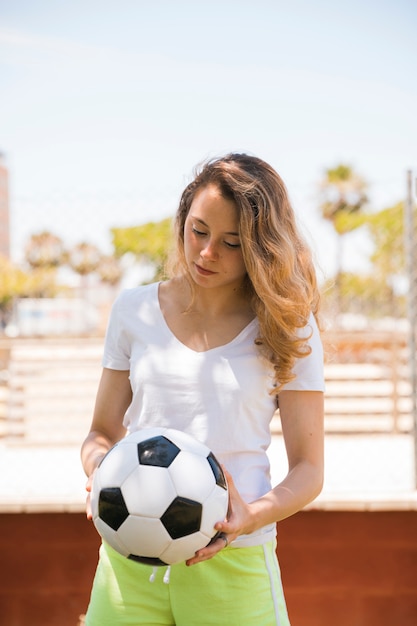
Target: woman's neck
200,301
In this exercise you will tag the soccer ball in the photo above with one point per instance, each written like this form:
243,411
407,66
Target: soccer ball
156,496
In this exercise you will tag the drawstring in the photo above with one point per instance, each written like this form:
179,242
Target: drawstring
153,575
166,575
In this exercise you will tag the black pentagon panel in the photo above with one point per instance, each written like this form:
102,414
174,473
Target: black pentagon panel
112,508
157,451
147,560
217,471
182,517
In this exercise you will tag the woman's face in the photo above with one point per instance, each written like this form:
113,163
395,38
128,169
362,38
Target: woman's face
211,240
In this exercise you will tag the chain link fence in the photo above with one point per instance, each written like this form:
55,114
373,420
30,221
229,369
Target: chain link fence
369,338
410,220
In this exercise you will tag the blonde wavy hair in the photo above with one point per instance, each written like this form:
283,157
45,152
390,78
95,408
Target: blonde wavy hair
281,280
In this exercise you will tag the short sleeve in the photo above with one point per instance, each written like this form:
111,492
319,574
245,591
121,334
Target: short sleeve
117,348
309,370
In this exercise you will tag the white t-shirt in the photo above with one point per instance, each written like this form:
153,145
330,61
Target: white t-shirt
220,396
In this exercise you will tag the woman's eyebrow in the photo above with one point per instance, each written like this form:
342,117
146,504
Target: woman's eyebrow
202,222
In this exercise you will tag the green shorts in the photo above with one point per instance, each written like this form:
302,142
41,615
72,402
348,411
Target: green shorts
238,587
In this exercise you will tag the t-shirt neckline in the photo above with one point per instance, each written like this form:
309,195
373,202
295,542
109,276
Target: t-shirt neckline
241,335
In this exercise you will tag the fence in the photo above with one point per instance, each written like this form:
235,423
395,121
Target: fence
367,382
49,385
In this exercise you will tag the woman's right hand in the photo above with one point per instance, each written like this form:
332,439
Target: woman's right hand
113,398
88,487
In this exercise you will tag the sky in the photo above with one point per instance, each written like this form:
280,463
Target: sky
107,106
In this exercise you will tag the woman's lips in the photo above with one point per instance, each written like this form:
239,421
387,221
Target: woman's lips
203,271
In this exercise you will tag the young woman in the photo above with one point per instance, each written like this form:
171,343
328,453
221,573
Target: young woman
214,351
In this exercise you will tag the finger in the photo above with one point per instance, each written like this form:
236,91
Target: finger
216,545
228,476
89,511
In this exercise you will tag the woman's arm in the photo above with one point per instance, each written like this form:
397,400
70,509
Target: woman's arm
113,398
302,426
302,420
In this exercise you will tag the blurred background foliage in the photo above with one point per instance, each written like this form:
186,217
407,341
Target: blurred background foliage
149,243
380,290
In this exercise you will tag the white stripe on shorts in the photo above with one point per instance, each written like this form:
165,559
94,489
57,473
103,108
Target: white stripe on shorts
271,561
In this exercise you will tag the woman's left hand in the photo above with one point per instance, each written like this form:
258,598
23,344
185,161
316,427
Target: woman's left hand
238,523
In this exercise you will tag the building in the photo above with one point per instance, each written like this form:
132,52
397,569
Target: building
4,209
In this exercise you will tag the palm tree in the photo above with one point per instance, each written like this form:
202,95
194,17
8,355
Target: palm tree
44,251
109,270
84,258
342,197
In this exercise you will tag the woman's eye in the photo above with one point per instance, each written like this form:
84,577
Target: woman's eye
199,233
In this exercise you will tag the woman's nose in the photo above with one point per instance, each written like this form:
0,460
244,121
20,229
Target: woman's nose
209,251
